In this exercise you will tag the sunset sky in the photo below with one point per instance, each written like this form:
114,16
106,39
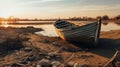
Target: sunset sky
58,8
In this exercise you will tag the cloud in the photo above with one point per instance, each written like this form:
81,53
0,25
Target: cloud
32,2
43,0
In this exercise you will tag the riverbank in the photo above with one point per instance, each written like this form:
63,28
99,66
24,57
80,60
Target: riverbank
21,47
51,22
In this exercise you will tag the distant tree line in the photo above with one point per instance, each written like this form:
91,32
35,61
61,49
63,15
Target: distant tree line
105,17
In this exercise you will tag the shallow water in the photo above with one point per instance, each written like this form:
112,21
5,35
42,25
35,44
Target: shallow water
50,31
110,26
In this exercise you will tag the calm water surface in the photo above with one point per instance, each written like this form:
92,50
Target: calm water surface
50,31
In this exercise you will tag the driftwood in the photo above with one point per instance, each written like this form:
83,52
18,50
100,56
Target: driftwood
112,61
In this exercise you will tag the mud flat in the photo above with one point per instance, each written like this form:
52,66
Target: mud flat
20,47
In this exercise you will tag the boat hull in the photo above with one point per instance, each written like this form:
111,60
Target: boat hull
86,34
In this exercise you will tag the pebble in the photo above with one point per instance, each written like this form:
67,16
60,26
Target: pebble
70,64
32,58
42,54
44,63
55,63
23,62
56,44
44,60
28,49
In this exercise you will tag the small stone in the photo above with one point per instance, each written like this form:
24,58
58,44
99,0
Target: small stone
28,49
44,60
70,64
56,44
48,57
52,54
77,65
42,55
55,63
32,58
45,63
23,62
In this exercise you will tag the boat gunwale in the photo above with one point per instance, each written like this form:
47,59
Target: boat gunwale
71,28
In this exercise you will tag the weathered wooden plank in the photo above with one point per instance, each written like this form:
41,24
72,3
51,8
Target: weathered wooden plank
89,32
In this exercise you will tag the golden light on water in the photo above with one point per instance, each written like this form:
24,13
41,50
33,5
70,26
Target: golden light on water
5,24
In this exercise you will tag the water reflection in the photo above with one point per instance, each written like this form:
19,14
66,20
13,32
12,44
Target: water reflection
50,31
4,24
105,23
110,26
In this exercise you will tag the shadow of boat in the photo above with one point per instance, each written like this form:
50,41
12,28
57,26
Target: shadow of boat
106,47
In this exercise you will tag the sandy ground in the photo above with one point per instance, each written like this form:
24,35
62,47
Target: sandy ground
22,48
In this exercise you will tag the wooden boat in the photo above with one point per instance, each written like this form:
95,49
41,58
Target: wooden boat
87,34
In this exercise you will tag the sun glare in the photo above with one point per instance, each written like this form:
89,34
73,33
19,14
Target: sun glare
5,24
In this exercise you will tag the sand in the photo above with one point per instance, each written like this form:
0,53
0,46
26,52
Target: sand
21,47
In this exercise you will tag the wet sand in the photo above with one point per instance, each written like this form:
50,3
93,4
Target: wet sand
21,47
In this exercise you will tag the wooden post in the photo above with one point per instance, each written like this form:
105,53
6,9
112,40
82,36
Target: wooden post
98,31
